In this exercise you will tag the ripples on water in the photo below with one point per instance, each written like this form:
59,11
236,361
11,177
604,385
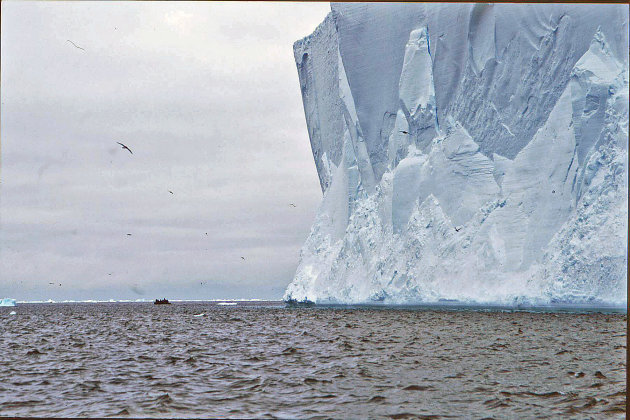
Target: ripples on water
265,360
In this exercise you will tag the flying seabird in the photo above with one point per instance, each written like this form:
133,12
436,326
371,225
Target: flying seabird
125,147
170,191
51,282
129,234
291,204
75,45
243,258
403,131
457,230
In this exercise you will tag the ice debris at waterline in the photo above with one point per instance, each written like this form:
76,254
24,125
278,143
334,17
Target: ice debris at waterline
468,152
7,302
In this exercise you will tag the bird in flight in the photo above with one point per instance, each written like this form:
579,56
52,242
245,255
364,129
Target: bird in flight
125,147
129,234
457,230
403,131
170,191
243,258
291,204
51,283
76,45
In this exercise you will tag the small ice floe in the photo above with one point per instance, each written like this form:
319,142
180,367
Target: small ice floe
201,314
7,302
12,313
226,303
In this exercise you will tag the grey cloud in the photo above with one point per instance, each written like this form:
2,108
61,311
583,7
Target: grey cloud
212,112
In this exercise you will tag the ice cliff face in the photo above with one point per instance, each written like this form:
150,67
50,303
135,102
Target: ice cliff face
467,151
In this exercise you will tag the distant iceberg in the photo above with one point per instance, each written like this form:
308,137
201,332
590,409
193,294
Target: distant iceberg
467,152
7,302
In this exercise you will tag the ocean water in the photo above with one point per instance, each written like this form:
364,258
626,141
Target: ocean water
263,359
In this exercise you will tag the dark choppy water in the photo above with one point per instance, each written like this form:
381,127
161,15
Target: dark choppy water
265,360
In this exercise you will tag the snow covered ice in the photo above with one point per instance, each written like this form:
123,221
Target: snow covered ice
7,302
467,152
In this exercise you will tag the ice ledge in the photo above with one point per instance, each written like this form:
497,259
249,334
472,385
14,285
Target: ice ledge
423,213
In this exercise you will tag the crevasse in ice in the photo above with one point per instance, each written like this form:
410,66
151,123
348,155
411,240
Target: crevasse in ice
467,151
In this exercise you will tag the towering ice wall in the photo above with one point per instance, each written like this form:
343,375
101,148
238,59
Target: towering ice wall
467,151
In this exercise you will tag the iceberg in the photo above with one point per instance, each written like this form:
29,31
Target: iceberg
467,152
7,302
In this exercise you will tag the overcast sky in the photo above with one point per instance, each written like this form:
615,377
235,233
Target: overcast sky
206,95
